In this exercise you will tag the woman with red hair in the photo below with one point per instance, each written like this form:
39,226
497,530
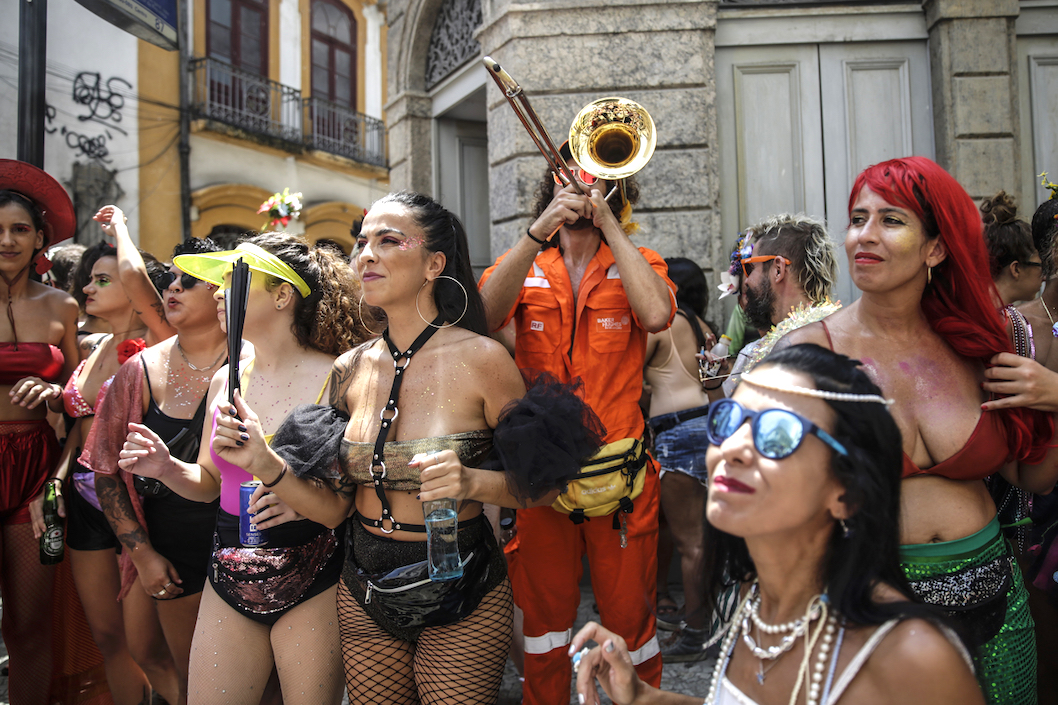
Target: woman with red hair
926,326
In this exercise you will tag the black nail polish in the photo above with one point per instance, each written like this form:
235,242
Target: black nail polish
244,436
416,496
238,443
242,428
232,411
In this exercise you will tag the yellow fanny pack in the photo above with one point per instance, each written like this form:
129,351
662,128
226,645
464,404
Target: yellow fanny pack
608,482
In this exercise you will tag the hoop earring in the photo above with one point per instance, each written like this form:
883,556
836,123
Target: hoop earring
360,315
466,303
929,275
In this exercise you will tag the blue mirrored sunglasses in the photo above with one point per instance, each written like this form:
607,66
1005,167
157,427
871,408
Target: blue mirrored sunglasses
777,433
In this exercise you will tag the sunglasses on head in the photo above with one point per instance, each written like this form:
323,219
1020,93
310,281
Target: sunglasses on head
186,280
579,174
777,433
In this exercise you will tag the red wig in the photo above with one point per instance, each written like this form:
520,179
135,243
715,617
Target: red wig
961,304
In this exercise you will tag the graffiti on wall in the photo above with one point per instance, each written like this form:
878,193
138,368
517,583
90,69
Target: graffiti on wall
100,102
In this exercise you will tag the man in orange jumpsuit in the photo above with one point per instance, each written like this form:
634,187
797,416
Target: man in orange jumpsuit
583,299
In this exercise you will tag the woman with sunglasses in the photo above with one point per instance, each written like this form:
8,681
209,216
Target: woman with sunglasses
273,605
122,292
803,509
166,540
926,325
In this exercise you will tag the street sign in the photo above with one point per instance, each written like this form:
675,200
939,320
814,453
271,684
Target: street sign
154,21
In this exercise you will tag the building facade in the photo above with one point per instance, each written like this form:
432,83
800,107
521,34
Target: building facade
760,107
276,93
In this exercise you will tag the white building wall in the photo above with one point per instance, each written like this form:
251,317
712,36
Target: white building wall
92,86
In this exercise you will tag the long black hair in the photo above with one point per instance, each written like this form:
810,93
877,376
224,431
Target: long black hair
855,565
445,233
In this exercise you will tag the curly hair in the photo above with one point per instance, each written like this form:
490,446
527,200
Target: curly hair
1044,230
961,304
325,320
545,193
1008,237
444,233
803,241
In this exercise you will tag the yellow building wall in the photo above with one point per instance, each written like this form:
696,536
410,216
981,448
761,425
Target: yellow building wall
159,130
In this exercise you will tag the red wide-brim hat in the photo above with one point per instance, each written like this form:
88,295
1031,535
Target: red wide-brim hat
38,186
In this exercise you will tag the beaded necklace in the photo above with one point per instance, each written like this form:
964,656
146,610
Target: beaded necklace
378,457
747,611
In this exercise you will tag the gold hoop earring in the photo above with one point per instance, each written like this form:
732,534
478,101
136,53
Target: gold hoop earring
360,315
929,275
466,303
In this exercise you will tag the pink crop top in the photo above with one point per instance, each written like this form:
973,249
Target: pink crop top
231,475
75,404
21,360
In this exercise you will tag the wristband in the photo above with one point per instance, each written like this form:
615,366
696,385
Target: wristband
534,238
275,482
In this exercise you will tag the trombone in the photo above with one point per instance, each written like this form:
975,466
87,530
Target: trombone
611,138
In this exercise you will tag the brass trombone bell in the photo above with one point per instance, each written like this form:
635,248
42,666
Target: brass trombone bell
612,138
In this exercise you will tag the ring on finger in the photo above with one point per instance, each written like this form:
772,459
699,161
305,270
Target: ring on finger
160,593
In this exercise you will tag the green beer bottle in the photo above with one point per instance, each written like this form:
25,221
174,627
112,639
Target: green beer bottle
52,544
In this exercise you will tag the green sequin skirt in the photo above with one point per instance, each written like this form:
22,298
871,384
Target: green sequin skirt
1006,662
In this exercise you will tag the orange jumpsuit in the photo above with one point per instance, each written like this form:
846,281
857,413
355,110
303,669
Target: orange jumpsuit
597,338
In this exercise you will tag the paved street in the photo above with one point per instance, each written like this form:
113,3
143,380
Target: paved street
690,679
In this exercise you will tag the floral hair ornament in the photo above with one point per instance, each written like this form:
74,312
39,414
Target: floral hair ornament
816,393
731,279
281,209
211,267
1049,185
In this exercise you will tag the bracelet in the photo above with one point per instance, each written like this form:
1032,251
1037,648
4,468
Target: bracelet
275,482
534,238
712,389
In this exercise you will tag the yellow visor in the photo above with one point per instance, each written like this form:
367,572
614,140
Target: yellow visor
212,266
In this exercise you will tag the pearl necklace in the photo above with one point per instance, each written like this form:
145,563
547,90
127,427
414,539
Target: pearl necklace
817,608
180,349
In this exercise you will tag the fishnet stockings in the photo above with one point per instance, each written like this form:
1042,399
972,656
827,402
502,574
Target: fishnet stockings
26,587
461,662
232,655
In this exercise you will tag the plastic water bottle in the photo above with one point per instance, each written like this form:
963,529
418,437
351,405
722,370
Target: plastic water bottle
442,546
711,368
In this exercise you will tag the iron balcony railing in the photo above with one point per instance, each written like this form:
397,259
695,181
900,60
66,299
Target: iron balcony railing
340,130
259,106
244,100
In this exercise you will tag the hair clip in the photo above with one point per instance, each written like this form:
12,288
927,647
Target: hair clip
1050,186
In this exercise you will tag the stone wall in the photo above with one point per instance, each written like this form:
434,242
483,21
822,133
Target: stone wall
973,63
567,53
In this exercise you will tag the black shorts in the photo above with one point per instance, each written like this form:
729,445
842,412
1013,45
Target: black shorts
87,528
181,530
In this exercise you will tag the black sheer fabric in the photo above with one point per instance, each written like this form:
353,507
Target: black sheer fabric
309,440
542,439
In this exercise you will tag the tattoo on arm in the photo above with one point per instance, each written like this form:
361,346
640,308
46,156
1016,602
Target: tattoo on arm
341,486
341,376
160,310
132,539
117,506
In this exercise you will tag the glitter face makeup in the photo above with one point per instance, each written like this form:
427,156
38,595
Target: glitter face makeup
410,243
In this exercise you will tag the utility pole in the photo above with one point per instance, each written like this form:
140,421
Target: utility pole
32,65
